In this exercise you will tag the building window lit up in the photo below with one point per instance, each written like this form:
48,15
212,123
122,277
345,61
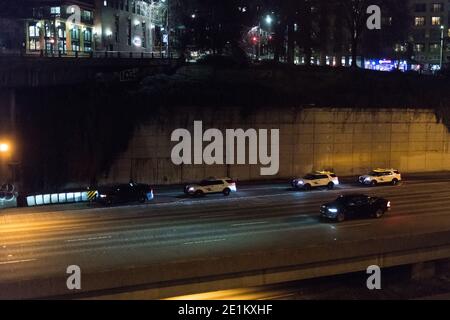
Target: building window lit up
55,10
419,47
437,7
436,21
419,21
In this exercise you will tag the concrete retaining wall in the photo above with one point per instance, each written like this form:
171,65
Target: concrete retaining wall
348,141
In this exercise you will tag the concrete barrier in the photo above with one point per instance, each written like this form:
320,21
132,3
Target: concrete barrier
61,197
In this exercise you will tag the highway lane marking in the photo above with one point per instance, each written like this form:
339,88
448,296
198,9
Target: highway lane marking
268,187
89,239
345,187
16,261
277,296
204,241
212,200
212,215
248,223
240,198
398,210
353,225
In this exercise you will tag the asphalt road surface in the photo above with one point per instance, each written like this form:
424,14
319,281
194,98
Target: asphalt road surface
36,242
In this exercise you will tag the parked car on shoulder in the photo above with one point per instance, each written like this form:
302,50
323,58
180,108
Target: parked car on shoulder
211,185
381,176
355,206
124,193
316,180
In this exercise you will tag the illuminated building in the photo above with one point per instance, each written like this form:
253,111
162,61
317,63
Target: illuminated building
82,27
428,16
63,27
129,25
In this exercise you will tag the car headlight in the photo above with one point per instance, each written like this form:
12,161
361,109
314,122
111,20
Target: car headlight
367,179
191,189
333,210
103,196
300,182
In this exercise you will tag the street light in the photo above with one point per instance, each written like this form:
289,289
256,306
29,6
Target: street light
4,157
4,147
268,19
442,48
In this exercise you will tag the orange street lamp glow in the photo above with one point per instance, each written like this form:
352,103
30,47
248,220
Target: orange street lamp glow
4,147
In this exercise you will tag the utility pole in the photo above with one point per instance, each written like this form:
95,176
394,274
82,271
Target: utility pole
259,40
442,48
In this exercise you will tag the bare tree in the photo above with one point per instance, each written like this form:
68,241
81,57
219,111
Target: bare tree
354,15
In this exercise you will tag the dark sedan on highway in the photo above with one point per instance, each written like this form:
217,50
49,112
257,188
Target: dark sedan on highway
355,206
124,193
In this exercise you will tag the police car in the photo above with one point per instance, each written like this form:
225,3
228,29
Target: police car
315,180
211,185
381,176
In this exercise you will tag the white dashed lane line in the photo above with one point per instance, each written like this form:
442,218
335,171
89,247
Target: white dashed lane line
89,239
203,241
16,261
353,225
248,224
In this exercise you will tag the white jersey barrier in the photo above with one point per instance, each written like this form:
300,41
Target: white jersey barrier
63,197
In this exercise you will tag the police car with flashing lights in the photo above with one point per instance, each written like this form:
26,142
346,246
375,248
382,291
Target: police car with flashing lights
211,185
381,176
316,180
